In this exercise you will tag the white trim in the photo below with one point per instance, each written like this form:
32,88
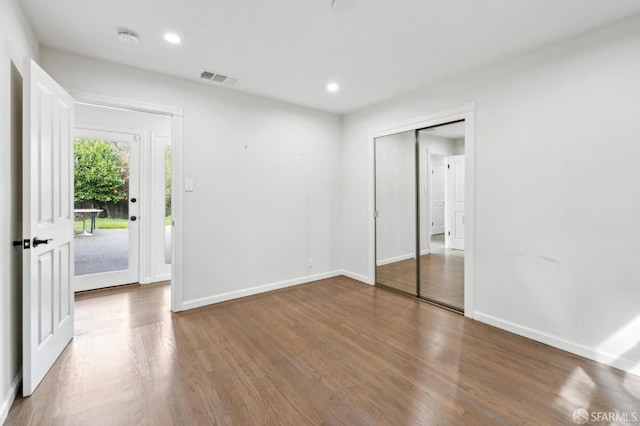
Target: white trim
10,396
371,240
465,112
396,259
176,115
429,212
470,209
106,101
210,300
427,120
356,277
177,247
560,343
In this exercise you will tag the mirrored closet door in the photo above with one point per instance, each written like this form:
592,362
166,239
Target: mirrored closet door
395,164
420,175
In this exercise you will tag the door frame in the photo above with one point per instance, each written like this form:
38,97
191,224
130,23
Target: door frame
176,115
464,112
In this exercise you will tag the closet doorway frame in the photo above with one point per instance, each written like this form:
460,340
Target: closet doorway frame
465,112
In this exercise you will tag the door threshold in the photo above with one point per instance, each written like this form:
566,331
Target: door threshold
103,289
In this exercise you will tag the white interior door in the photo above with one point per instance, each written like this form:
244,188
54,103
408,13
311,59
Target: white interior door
107,255
438,198
456,201
47,224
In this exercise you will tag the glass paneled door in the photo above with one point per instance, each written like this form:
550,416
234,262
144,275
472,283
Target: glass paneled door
106,206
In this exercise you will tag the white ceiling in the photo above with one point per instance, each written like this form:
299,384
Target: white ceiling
290,49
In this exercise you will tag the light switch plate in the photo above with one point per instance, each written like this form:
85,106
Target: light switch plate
188,185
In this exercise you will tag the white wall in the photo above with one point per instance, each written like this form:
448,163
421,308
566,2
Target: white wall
544,266
458,146
16,41
266,177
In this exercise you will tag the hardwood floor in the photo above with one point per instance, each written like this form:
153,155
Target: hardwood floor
330,352
441,275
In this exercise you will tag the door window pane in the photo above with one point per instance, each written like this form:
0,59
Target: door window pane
101,192
167,205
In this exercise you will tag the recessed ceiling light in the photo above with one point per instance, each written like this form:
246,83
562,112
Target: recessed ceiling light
333,87
343,5
127,37
172,38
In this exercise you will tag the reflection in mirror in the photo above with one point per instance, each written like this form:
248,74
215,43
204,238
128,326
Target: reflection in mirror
396,211
442,214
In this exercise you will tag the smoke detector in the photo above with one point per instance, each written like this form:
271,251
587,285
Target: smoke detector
127,37
218,78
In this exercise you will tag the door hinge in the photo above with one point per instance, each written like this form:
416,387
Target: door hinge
26,244
449,233
448,166
375,213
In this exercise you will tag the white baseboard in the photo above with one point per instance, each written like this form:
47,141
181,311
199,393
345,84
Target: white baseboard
10,396
357,277
551,340
396,259
210,300
423,252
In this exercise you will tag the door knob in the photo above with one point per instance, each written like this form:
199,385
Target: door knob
37,241
133,218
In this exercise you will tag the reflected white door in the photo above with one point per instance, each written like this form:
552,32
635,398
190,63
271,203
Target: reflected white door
456,201
438,199
47,224
108,165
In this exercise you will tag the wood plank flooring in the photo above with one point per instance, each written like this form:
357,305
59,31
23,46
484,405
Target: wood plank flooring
333,352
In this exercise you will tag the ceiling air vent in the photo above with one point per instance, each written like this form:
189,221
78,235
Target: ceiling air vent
207,75
218,78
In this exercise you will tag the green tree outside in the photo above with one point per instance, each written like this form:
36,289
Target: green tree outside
102,171
167,181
